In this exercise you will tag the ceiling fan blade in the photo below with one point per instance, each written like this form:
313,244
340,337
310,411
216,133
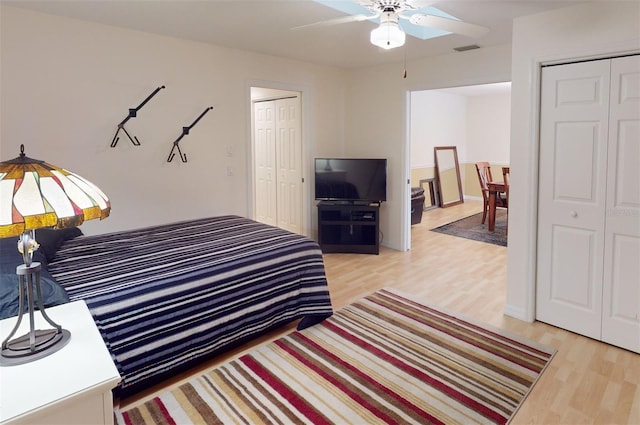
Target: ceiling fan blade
450,25
366,3
336,21
419,4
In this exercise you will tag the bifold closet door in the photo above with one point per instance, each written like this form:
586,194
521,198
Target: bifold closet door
621,291
278,163
589,201
572,195
289,164
265,162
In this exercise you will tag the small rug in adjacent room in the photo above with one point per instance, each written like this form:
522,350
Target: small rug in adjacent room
472,228
387,358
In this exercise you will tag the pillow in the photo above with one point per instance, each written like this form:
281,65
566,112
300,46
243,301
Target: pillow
10,258
50,239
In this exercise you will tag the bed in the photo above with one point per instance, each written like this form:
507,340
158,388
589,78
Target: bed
167,297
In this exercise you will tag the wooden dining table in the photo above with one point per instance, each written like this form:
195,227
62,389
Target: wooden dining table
494,189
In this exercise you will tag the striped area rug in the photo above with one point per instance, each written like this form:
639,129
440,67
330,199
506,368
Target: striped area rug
387,358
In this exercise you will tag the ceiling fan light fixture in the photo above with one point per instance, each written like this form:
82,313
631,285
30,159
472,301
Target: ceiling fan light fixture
388,35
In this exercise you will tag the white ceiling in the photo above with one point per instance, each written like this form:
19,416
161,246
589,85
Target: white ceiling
264,26
479,90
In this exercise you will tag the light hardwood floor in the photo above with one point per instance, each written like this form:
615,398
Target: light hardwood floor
587,382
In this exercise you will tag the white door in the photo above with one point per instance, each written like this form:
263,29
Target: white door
278,162
621,292
289,164
589,200
572,195
265,162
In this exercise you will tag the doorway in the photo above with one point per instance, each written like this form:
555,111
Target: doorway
476,119
277,158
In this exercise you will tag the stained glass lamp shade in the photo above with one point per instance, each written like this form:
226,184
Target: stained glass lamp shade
34,195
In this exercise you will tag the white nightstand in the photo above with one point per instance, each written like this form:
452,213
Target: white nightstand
70,386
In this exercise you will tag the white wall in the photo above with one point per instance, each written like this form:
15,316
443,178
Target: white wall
576,32
479,125
488,128
66,84
377,116
437,119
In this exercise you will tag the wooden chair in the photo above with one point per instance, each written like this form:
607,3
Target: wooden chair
484,176
505,179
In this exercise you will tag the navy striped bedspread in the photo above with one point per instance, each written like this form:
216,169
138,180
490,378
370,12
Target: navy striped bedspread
164,297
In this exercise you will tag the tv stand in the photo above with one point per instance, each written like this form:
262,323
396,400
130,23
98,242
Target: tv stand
349,227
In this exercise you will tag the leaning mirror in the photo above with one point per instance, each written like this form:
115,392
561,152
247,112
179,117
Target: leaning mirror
448,176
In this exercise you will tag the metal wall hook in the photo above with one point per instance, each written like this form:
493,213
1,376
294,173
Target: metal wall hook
183,157
132,114
185,131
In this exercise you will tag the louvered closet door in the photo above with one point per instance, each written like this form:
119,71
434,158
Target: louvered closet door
621,292
572,194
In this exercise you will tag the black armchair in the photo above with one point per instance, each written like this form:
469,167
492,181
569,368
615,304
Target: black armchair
417,204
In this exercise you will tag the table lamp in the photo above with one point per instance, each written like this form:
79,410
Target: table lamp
35,195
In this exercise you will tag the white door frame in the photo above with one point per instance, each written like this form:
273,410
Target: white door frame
530,187
406,203
306,191
405,236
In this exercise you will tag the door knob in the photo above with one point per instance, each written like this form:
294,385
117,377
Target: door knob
574,214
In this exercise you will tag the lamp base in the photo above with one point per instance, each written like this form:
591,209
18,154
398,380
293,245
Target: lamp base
36,344
19,351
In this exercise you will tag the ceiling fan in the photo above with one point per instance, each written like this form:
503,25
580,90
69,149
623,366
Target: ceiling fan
389,34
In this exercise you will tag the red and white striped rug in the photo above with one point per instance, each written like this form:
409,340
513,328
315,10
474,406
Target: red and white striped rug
385,359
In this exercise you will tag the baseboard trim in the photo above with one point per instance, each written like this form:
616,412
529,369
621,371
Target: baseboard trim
515,312
472,198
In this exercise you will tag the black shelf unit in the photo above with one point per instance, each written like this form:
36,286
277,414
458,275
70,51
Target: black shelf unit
349,227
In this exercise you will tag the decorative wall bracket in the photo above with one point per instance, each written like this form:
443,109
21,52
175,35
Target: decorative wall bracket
132,114
185,131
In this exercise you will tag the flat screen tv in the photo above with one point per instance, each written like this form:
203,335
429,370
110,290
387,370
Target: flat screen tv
351,179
